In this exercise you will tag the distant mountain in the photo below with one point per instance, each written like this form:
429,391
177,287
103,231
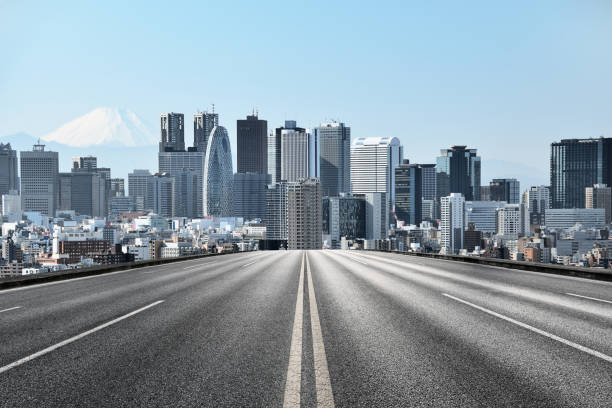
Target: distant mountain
104,127
121,159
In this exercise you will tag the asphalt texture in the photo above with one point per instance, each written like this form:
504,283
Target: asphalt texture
394,331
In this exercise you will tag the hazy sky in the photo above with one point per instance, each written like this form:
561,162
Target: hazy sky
507,79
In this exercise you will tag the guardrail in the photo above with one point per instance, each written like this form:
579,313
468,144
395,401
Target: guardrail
587,273
12,282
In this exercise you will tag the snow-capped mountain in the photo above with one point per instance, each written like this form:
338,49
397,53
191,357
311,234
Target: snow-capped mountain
104,126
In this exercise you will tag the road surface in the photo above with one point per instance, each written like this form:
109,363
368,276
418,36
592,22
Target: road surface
309,328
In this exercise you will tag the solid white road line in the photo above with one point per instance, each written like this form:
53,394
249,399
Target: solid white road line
570,343
75,338
250,263
294,370
10,308
590,298
325,396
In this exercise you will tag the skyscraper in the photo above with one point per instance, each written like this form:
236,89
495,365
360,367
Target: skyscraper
344,216
408,193
377,215
274,149
300,155
39,180
508,190
249,200
117,187
304,229
373,163
537,199
276,211
428,185
458,171
252,147
84,163
138,185
218,175
576,164
83,191
161,194
335,141
600,196
175,164
452,223
203,124
187,197
172,132
9,180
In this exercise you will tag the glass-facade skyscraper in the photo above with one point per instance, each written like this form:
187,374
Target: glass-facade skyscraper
576,164
458,171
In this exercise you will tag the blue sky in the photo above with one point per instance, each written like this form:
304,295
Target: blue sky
507,78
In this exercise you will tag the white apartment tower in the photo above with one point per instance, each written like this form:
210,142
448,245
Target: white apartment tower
300,156
452,224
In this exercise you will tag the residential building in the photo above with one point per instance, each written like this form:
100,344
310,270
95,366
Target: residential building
304,214
452,224
576,164
39,180
276,211
252,146
335,165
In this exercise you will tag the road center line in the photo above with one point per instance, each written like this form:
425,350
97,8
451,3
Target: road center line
10,308
590,298
294,370
325,396
75,338
570,343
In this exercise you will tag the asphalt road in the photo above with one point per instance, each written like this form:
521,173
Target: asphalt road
358,329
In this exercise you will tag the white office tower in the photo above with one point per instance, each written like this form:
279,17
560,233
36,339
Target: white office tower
373,163
218,175
377,215
452,225
39,180
300,156
335,140
11,206
513,221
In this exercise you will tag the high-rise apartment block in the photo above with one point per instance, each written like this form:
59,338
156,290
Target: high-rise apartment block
172,132
39,180
600,196
335,142
304,214
452,223
252,147
458,171
276,211
576,164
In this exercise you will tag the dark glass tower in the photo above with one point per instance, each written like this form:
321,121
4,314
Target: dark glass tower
172,132
458,171
252,153
335,141
409,193
576,164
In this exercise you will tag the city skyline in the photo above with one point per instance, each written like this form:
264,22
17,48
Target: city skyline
461,75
